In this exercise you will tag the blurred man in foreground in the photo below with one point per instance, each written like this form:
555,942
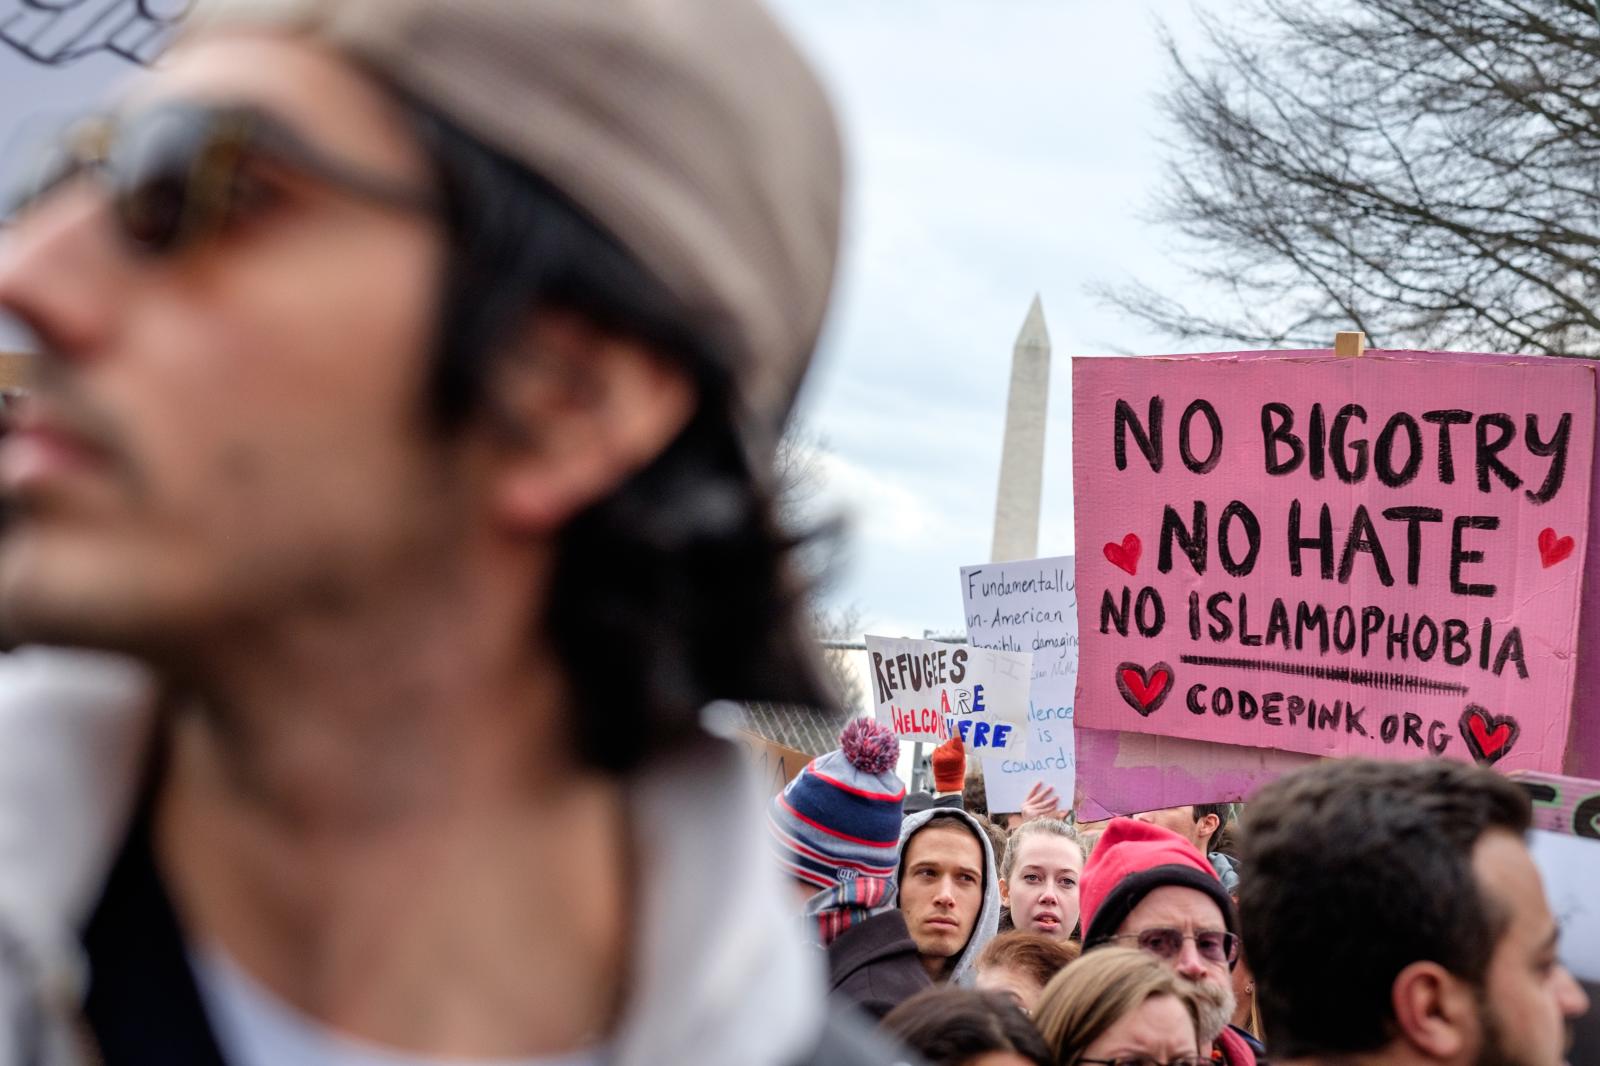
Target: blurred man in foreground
410,376
1394,915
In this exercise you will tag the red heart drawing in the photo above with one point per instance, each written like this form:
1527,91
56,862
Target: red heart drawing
1125,556
1488,736
1553,549
1144,690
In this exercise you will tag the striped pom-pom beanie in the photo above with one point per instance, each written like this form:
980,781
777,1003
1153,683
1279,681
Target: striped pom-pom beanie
839,819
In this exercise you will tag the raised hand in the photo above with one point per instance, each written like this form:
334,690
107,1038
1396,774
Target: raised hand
1041,802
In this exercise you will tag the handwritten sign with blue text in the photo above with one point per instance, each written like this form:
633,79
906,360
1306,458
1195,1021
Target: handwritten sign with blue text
928,690
1030,607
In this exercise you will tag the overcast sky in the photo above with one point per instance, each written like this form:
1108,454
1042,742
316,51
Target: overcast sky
999,148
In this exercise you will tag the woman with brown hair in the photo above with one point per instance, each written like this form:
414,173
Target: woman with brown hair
962,1027
1122,1007
1019,965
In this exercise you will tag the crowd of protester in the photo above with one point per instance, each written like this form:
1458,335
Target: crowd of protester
1392,914
394,496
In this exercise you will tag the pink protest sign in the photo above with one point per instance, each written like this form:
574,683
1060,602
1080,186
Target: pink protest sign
1378,556
1126,772
1563,804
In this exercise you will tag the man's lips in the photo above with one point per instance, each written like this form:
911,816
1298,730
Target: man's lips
942,922
35,451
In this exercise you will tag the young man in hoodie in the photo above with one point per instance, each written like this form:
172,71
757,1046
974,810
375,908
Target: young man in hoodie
948,890
409,377
1148,887
946,907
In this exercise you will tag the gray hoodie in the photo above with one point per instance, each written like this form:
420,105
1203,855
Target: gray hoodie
719,978
1227,868
988,915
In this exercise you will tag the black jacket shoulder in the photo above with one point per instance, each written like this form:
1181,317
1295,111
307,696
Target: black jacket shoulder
876,965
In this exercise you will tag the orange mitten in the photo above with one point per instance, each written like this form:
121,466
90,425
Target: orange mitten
949,765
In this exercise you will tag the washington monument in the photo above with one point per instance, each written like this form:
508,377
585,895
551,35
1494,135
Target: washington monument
1016,507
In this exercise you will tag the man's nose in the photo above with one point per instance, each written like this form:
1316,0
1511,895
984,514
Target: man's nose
946,895
1570,994
1190,963
59,265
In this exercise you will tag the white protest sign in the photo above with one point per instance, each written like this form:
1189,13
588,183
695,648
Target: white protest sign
1570,866
927,690
1030,607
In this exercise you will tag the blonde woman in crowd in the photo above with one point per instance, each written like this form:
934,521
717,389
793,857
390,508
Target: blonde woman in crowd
1122,1007
1039,877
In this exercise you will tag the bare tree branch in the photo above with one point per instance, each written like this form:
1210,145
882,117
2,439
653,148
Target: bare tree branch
1425,170
802,481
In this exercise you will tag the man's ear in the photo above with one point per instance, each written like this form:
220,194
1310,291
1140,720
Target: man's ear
1208,826
573,414
1436,1012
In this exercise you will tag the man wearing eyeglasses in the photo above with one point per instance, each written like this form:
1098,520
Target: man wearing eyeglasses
1148,887
410,374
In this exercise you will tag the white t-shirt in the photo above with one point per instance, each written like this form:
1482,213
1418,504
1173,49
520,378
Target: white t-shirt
253,1027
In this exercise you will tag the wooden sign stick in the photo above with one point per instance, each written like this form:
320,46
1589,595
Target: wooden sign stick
1351,344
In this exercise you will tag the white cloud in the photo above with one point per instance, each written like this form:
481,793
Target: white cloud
999,148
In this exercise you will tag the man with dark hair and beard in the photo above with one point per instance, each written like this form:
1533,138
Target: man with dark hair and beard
1145,886
1395,916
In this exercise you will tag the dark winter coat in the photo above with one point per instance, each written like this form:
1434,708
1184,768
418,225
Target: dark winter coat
876,965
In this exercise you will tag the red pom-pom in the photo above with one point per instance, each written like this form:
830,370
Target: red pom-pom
869,747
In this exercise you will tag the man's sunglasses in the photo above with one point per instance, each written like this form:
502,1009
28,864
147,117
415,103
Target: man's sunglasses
180,172
1168,943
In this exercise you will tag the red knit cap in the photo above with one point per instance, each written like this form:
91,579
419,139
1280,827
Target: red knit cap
949,765
1131,859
